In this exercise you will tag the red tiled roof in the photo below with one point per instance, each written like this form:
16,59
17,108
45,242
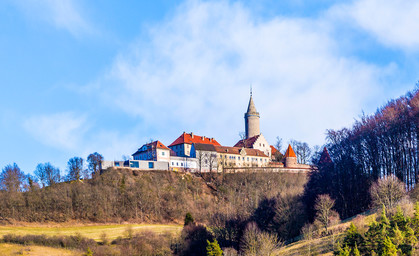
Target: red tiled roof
325,157
247,143
290,152
158,144
236,151
155,144
190,138
273,150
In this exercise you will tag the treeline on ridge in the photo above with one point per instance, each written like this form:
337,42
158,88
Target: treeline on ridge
128,195
379,145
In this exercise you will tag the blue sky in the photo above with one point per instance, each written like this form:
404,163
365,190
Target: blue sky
84,76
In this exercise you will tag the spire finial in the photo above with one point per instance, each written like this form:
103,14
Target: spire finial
251,90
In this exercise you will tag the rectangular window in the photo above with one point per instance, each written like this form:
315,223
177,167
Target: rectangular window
134,165
117,164
162,153
181,164
150,165
173,163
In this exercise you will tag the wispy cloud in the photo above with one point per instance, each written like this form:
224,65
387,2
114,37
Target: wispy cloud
63,14
61,130
394,23
194,71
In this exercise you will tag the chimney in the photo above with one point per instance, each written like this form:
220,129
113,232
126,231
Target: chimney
192,135
203,138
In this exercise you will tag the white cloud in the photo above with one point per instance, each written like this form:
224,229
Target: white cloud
62,130
63,14
194,71
392,22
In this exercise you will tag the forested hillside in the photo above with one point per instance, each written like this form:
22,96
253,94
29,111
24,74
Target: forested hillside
127,195
379,145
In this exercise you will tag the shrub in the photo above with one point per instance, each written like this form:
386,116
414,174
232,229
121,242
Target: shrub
73,242
194,239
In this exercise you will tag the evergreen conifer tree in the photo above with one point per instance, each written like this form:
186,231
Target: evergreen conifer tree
396,236
415,221
343,251
353,236
384,220
388,249
409,236
338,249
374,237
409,242
400,220
213,248
188,219
355,251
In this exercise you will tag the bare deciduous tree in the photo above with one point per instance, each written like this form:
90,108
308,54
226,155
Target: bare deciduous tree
278,143
11,178
94,161
387,191
201,158
243,138
212,161
47,174
302,150
323,206
75,168
257,243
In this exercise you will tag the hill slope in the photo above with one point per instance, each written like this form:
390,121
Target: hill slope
150,197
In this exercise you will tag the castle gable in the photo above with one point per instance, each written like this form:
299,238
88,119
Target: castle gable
256,142
247,143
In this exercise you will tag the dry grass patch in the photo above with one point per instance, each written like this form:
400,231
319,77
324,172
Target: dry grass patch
318,246
94,232
34,250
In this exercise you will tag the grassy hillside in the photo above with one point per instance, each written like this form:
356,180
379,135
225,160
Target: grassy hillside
320,244
315,246
90,231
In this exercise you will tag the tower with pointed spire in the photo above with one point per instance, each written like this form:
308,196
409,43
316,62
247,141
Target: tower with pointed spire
251,119
290,158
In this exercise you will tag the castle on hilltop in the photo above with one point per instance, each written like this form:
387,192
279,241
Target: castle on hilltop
194,153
